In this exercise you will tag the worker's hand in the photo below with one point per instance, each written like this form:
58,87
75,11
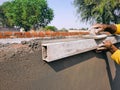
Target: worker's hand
99,27
111,28
96,29
105,45
108,44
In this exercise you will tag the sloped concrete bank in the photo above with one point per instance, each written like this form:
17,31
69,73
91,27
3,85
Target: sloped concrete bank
22,68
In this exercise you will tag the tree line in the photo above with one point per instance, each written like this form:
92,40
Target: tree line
100,11
29,14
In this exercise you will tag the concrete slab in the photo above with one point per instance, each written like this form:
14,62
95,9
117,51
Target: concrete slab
61,49
58,50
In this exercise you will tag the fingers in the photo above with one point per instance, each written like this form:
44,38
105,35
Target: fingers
95,30
98,30
107,43
104,45
101,47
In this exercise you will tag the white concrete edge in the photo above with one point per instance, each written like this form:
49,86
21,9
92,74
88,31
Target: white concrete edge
58,50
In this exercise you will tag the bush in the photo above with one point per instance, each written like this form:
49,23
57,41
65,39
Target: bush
51,28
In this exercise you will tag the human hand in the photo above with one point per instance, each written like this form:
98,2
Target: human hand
108,44
97,28
105,45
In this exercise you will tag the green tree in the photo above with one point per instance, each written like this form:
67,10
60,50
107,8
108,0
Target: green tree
3,18
52,28
101,11
27,13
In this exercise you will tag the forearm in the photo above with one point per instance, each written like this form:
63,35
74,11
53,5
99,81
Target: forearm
112,49
110,28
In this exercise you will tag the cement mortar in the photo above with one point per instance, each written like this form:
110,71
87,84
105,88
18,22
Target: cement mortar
22,68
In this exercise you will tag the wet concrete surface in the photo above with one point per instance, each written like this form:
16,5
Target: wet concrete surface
113,72
73,73
86,71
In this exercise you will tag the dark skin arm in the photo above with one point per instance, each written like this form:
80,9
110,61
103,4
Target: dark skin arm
112,48
107,28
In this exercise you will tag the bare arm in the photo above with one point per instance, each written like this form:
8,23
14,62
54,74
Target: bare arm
112,48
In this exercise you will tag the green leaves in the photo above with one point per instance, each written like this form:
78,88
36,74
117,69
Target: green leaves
97,10
27,13
52,28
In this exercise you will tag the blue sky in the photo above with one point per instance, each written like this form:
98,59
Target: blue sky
65,15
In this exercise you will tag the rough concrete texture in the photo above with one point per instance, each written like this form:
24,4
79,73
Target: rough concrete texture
52,51
30,72
22,68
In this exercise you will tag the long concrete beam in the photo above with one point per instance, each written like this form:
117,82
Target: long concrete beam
57,50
